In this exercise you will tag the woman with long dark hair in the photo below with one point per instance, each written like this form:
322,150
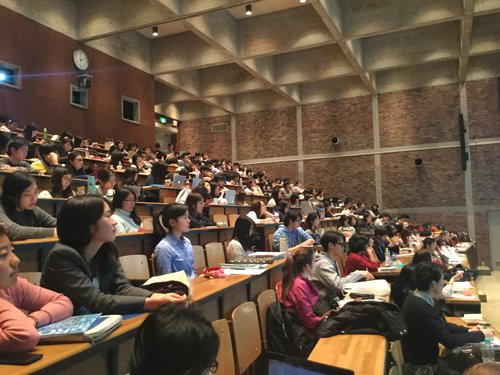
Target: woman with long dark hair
195,204
124,214
84,264
312,226
75,164
241,243
60,185
18,209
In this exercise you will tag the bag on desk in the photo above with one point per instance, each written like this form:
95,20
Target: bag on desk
176,282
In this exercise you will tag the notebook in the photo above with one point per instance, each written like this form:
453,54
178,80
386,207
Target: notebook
178,181
281,364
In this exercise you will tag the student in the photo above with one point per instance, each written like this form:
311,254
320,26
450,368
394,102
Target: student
286,190
30,132
380,243
139,162
158,173
345,226
75,164
48,158
252,188
124,214
195,204
241,243
426,328
41,306
64,149
130,178
17,149
276,197
18,209
60,185
174,252
218,186
259,214
86,259
294,234
175,341
297,292
280,210
403,285
327,276
106,181
358,258
429,244
312,226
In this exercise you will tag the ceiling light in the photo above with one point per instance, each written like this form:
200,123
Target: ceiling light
155,31
302,1
248,9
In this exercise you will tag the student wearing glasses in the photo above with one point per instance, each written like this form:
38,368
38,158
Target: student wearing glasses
293,233
327,274
124,214
75,164
18,209
60,185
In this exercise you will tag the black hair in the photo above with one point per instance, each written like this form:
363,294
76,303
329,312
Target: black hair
425,274
71,158
122,194
28,131
191,201
104,174
159,171
13,186
161,219
379,232
174,341
16,144
290,217
4,140
116,157
129,176
310,220
74,222
358,244
55,187
331,237
421,256
255,207
404,284
45,148
428,242
241,231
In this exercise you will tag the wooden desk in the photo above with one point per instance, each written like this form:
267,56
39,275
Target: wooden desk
392,274
120,177
166,194
41,180
364,354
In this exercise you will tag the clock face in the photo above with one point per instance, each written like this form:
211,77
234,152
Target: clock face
80,59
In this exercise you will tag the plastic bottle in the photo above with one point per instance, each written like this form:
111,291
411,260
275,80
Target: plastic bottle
119,167
487,351
45,135
87,152
283,244
394,259
388,261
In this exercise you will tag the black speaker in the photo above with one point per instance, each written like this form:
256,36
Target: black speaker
419,162
463,153
335,141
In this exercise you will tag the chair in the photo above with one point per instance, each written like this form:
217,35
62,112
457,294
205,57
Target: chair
32,277
225,356
215,254
232,219
397,355
135,267
147,222
246,335
270,239
264,300
199,257
218,218
152,264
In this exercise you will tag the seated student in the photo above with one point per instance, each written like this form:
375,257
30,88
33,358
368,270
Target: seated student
195,204
124,214
327,275
205,190
313,226
17,149
252,188
383,220
429,244
297,292
174,252
106,181
42,306
358,258
426,327
64,149
130,178
242,241
280,210
276,197
87,260
295,235
60,185
286,190
75,164
19,211
345,226
294,201
175,341
30,132
217,185
380,243
158,173
48,158
117,160
259,213
139,162
403,285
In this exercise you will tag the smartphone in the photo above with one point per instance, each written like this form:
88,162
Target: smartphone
23,358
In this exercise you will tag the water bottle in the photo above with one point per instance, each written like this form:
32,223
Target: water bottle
487,351
283,244
394,259
45,135
388,261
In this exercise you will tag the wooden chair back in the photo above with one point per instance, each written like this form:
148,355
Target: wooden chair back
219,218
33,277
199,257
246,335
397,355
270,239
225,356
135,266
232,219
264,300
147,222
215,254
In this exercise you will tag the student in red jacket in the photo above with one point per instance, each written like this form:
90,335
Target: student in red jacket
358,258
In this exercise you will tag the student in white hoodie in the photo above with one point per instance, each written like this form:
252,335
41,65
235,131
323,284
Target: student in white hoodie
327,274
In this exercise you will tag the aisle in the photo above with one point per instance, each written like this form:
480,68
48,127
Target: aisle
491,286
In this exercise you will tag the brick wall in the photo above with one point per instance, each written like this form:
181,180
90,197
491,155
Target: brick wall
454,221
266,134
440,182
197,135
485,165
483,105
419,116
283,169
482,237
341,118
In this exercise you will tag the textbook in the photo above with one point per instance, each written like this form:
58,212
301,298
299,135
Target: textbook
176,282
91,328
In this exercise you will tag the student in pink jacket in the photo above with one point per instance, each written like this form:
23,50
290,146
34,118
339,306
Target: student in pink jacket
18,331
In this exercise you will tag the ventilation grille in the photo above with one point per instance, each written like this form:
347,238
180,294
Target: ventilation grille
217,128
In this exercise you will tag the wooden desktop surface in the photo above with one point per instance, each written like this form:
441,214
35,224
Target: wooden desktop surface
364,354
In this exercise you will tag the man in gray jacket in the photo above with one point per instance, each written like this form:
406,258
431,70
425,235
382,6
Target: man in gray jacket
327,273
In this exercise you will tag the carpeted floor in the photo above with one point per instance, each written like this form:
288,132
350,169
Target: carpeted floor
491,309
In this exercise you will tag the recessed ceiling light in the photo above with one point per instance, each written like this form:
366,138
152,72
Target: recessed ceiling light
155,31
302,1
248,9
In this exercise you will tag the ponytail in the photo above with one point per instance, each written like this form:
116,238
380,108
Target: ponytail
294,265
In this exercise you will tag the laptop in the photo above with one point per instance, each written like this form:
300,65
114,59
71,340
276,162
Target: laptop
178,182
281,364
196,181
230,196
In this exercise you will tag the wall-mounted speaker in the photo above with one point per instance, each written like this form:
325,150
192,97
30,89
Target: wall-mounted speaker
419,162
335,141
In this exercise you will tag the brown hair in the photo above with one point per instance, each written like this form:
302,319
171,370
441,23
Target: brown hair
294,265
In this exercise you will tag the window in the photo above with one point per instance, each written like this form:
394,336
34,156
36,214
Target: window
10,75
130,110
79,96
